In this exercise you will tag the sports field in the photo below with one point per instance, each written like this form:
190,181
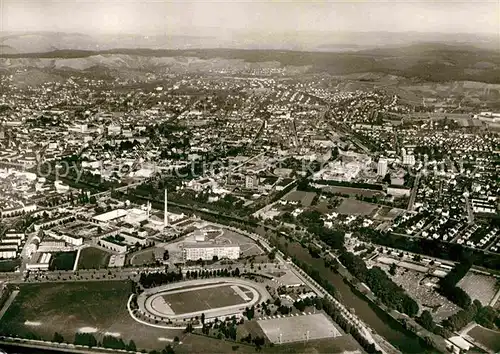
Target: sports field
9,265
298,328
479,286
67,308
142,257
305,198
487,337
63,261
354,191
356,207
200,299
64,307
93,258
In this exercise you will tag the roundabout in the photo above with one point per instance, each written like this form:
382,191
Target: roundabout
188,300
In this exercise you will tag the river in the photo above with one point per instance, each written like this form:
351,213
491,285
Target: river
384,325
379,321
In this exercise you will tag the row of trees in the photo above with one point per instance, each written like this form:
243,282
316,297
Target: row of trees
484,315
314,274
314,223
432,248
88,339
388,292
149,280
328,306
167,350
195,274
257,341
304,185
156,279
448,285
460,319
332,311
249,312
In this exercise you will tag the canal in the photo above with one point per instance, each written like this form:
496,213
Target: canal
383,324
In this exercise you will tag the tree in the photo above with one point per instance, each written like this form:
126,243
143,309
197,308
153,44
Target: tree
272,255
168,350
86,339
393,268
426,320
486,316
189,328
58,338
176,339
131,346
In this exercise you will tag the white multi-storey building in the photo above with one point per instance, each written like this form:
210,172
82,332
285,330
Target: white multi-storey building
207,251
409,160
72,240
8,251
382,167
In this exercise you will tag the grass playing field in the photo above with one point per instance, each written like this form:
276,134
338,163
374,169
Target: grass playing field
479,287
9,265
93,258
67,308
142,257
202,299
64,307
353,191
193,343
63,261
487,337
298,328
355,207
305,198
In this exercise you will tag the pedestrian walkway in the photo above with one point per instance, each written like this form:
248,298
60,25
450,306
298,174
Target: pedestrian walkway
9,302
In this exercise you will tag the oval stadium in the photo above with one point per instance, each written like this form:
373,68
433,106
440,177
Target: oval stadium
220,297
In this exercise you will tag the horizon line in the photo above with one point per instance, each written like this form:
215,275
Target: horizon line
179,32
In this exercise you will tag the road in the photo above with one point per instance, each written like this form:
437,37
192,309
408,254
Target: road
17,345
413,194
470,213
9,302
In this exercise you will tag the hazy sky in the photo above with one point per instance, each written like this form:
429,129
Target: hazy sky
185,16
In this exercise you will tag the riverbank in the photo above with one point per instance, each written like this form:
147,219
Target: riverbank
364,292
382,323
368,311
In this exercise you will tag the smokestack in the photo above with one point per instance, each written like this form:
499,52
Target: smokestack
165,220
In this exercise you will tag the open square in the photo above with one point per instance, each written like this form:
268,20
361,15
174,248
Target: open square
298,328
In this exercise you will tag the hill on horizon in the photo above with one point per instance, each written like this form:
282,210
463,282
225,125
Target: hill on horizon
425,61
204,38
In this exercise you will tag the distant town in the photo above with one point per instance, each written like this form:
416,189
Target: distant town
235,207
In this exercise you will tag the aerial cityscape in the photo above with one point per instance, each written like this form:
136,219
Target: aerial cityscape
256,176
